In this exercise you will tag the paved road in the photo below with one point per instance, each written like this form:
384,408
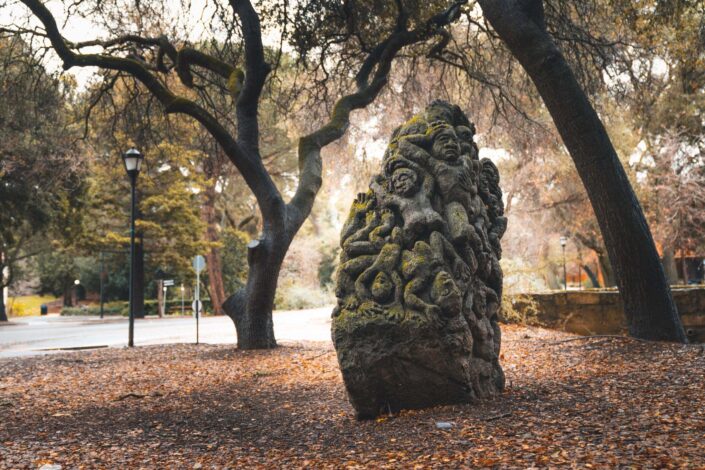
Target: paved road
40,335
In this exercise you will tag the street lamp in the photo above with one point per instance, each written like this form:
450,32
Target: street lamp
133,164
76,282
564,241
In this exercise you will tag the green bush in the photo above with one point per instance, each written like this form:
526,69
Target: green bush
327,266
519,309
173,307
290,296
111,308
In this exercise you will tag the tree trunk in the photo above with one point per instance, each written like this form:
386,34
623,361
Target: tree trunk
549,273
669,265
3,312
68,292
213,263
684,267
593,277
606,268
648,304
160,297
251,307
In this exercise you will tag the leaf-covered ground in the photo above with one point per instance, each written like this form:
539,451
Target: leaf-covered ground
597,403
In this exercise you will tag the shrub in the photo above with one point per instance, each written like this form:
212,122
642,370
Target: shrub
111,308
290,296
173,307
520,309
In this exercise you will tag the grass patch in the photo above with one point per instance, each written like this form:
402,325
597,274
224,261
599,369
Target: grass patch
27,305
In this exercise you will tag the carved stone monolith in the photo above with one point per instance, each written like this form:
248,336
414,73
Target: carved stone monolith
419,281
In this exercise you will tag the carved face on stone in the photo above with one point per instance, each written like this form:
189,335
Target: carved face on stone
465,135
445,294
445,145
382,287
404,181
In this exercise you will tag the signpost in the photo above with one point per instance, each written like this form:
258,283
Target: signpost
182,300
199,262
166,283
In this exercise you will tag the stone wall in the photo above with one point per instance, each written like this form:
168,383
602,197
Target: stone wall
590,312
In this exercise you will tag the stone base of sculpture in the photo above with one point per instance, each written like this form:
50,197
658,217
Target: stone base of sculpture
419,282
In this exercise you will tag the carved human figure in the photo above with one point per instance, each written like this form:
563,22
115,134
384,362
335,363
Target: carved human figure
491,194
456,178
468,146
361,221
381,282
446,295
408,190
358,252
418,268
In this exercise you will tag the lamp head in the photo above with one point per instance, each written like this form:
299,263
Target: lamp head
133,162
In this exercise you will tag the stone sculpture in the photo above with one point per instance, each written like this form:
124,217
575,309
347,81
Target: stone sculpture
419,281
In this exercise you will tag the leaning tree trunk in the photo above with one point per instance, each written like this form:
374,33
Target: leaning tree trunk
213,264
593,277
606,268
648,303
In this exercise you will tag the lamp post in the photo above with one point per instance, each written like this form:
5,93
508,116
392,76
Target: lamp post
133,163
564,241
76,283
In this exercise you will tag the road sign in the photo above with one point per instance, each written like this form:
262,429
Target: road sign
168,282
197,306
199,262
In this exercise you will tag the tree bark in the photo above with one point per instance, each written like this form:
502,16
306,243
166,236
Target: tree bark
606,268
684,267
213,262
160,297
648,303
3,311
68,291
251,307
669,265
548,272
593,277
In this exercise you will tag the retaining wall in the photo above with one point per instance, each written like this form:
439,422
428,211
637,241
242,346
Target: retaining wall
594,311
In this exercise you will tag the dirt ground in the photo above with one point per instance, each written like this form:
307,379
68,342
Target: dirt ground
599,403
